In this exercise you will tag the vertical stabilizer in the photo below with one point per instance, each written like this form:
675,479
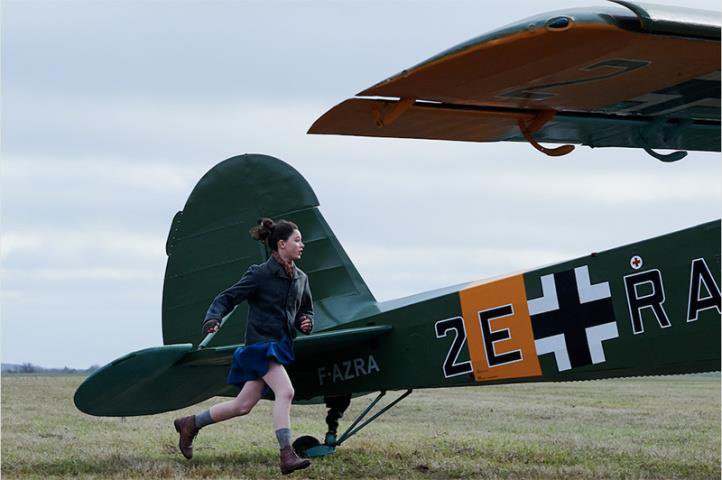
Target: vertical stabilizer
209,247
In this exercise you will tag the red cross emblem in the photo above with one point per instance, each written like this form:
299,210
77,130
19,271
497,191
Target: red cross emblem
636,262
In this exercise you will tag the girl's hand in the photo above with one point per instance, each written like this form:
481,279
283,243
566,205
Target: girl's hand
306,325
211,326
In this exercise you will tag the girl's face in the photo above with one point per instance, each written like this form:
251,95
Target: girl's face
292,248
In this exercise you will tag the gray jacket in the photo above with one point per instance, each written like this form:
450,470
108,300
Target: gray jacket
276,304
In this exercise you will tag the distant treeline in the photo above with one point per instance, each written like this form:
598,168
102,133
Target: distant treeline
31,368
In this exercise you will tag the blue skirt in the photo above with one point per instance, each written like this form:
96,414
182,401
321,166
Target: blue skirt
251,362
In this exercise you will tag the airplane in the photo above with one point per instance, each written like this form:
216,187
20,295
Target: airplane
626,75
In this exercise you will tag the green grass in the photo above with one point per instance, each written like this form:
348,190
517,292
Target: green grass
662,427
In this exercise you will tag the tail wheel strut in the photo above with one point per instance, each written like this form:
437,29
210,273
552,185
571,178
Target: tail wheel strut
309,447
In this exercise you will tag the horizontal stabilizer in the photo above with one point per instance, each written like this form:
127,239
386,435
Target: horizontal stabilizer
162,379
304,347
140,383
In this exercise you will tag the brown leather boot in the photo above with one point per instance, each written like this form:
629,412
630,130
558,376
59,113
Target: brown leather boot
186,426
291,462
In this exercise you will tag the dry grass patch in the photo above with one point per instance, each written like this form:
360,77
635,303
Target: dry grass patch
664,427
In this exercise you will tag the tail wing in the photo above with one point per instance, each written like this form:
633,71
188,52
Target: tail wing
209,247
161,379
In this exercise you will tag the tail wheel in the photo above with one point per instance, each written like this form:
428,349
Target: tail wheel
301,444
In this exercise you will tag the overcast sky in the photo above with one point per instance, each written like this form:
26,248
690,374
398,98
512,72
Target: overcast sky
111,111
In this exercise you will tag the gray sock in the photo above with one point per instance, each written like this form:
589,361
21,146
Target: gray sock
284,437
203,419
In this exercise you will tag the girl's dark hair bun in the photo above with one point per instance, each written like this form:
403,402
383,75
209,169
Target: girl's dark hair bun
270,232
263,229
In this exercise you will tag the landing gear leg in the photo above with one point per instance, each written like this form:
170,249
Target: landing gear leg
336,408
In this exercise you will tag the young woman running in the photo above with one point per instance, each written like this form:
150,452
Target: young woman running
279,300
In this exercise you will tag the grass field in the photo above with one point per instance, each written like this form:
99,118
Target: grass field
664,427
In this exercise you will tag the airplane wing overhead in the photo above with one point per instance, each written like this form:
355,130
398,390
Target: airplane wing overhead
629,75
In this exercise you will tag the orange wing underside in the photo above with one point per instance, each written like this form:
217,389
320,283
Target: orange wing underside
579,69
481,93
358,116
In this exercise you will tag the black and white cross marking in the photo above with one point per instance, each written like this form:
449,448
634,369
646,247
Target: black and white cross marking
572,318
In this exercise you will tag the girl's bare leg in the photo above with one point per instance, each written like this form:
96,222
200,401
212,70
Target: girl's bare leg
244,402
277,378
188,427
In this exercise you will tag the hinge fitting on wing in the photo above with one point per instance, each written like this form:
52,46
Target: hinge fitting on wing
387,116
656,129
536,124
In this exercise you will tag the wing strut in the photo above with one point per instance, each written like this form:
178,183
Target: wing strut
536,124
